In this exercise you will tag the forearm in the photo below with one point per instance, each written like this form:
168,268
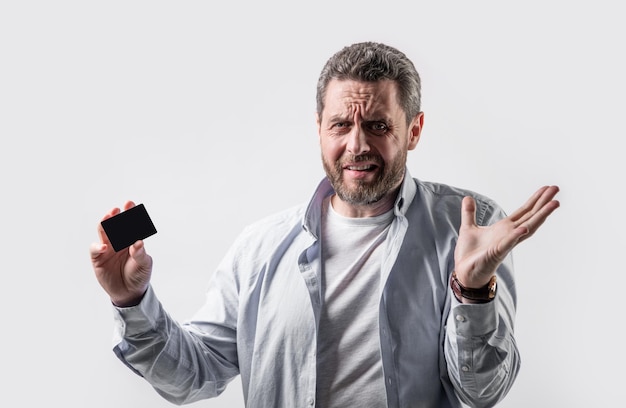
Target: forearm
482,357
180,365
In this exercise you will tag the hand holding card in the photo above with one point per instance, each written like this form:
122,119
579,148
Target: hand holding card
128,227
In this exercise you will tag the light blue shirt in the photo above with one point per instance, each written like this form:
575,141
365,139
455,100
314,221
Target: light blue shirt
262,310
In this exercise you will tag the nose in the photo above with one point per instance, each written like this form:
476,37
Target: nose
357,141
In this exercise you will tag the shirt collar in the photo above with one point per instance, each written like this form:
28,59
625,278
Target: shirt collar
407,193
313,214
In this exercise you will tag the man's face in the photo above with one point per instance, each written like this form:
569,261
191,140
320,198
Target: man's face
364,140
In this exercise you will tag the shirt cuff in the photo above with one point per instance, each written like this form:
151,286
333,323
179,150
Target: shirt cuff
138,319
472,320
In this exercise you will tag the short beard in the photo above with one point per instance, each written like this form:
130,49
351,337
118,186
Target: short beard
388,179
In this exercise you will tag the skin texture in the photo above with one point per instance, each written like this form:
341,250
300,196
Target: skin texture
479,250
364,138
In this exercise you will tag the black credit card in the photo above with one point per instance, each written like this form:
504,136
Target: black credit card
128,227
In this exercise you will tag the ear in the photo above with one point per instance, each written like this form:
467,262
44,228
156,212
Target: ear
318,122
415,130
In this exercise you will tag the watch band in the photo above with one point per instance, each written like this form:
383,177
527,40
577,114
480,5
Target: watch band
481,295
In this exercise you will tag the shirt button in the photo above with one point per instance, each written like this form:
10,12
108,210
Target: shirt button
460,318
311,401
465,368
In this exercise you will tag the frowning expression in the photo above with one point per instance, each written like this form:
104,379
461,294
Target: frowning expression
364,139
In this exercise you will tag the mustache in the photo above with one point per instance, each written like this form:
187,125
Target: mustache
368,157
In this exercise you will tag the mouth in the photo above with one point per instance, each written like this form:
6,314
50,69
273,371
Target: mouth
361,167
361,171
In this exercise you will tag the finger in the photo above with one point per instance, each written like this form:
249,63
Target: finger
468,212
528,205
542,208
103,236
540,217
546,197
128,205
138,252
538,200
530,216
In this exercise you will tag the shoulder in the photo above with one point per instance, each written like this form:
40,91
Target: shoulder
445,198
281,220
267,232
443,191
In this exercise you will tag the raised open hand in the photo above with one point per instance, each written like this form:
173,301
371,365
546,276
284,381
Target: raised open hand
124,275
480,250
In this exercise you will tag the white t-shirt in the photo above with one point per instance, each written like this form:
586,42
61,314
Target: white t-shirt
349,372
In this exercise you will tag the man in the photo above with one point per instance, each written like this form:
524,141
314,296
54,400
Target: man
382,291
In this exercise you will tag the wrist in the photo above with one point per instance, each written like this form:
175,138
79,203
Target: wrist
464,294
128,301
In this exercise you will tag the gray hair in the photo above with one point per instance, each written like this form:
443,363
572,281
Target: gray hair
371,62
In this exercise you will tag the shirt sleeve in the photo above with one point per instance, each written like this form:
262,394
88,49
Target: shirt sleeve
481,353
182,366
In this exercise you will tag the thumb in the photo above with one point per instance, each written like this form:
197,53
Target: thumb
96,249
468,212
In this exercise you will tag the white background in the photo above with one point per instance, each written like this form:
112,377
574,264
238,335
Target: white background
205,113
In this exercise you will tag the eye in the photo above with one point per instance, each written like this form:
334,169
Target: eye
341,127
378,127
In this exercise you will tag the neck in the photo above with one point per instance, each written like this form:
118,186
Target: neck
364,210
